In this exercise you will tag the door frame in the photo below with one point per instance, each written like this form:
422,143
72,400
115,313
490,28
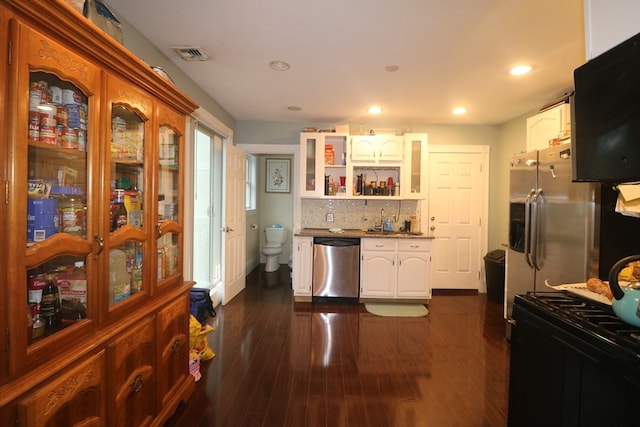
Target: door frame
483,151
293,150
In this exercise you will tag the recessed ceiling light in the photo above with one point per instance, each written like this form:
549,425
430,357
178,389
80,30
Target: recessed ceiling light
374,110
279,65
458,111
519,70
294,108
391,68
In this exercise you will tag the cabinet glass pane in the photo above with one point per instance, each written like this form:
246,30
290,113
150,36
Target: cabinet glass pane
416,166
125,271
56,296
310,164
167,256
169,175
57,161
127,168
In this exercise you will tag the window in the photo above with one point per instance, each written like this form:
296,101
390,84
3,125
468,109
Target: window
251,182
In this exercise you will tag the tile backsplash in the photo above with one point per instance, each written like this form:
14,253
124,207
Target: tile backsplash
357,213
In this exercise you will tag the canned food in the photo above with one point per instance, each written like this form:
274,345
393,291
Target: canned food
62,116
34,125
56,94
69,138
35,98
35,284
70,97
48,135
48,113
82,140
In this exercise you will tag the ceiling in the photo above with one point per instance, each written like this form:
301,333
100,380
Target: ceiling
448,53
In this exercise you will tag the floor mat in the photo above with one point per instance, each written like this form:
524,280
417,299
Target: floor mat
388,309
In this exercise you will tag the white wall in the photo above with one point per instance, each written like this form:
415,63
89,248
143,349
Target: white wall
608,23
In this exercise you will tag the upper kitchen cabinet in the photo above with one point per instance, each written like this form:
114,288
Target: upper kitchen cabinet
323,171
414,171
376,149
93,159
549,127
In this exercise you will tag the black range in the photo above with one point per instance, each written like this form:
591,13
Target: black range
573,363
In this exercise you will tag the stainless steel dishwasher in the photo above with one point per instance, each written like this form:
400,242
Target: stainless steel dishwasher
336,269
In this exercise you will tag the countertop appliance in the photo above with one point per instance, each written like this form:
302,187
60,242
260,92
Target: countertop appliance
553,224
573,363
336,269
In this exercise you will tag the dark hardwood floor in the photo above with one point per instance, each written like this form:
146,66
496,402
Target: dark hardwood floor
280,363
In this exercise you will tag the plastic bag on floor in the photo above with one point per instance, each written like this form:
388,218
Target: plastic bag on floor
198,340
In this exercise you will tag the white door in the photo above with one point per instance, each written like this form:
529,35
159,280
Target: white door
234,222
457,219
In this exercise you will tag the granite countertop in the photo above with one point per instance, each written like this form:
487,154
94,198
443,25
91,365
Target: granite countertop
359,233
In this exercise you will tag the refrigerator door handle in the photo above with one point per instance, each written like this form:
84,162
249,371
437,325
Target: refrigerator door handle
527,228
534,229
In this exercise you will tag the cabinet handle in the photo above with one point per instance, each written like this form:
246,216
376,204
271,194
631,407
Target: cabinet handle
136,383
100,241
158,230
175,347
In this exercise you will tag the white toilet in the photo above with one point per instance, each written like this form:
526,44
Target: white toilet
275,237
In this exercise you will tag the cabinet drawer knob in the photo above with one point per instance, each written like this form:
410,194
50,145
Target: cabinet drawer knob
175,347
136,383
100,241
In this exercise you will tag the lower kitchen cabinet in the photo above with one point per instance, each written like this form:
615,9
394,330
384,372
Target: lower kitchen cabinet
73,398
395,268
132,375
172,355
302,267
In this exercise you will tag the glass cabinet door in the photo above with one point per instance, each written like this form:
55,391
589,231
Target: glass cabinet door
312,179
414,183
170,193
51,213
126,211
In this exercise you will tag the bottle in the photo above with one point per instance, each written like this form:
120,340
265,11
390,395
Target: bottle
136,273
50,304
120,211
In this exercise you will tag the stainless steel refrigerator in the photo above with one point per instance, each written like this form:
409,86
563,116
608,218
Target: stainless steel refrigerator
553,224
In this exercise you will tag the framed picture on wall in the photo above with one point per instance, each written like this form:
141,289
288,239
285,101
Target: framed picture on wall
278,175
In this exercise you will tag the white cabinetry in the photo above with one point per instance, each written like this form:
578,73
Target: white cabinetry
548,125
318,164
378,268
395,268
414,268
376,149
302,265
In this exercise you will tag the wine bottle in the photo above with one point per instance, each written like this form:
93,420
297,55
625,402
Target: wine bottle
50,304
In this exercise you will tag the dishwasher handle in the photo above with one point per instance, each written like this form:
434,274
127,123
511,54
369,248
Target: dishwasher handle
332,241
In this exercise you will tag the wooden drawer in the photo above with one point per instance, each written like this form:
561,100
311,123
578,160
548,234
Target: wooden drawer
75,397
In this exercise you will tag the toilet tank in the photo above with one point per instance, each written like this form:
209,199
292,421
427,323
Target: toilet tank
275,235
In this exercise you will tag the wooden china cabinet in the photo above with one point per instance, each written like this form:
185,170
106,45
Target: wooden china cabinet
93,306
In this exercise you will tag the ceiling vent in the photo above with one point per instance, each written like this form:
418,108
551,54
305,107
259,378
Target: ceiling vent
190,53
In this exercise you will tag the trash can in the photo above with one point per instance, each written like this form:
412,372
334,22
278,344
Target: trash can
494,269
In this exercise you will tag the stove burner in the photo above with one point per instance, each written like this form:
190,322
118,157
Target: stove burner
589,315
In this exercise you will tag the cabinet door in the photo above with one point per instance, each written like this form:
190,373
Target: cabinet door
548,125
390,148
52,156
170,195
302,265
377,274
73,398
173,348
413,274
126,226
414,169
363,149
131,366
311,169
